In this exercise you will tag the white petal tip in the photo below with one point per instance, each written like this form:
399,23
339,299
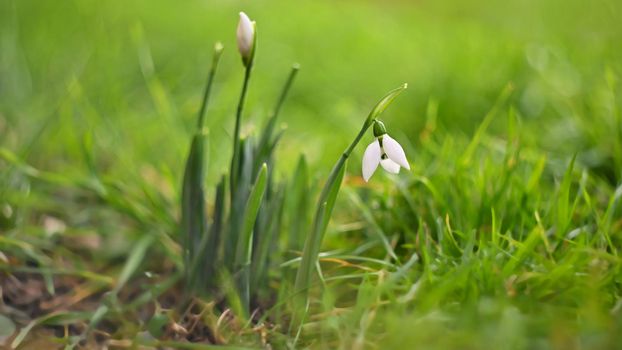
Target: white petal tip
395,151
390,166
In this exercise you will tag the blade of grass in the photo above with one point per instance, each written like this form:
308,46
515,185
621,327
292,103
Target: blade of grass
563,197
298,203
354,198
136,257
481,130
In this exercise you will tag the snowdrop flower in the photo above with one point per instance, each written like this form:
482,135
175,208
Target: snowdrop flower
246,39
384,150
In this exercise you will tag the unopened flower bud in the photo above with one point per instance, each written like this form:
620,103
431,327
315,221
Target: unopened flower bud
246,39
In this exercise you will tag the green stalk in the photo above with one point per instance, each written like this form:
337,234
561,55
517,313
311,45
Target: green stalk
236,133
208,86
193,216
323,212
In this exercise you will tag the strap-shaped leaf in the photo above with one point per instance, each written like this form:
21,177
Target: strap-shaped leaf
250,214
193,215
385,102
245,241
314,240
298,202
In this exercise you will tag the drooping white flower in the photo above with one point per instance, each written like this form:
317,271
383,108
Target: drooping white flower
246,38
384,150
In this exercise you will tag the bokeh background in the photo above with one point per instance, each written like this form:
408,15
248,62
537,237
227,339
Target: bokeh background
106,93
130,74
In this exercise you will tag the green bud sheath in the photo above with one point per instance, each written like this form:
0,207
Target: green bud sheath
379,128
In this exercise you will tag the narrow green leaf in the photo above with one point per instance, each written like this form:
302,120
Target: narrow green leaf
250,214
369,217
303,276
218,48
606,222
266,136
314,240
169,344
133,262
205,259
523,250
99,315
267,235
193,213
23,333
298,203
564,214
238,202
386,101
481,130
536,174
56,318
332,197
209,260
245,242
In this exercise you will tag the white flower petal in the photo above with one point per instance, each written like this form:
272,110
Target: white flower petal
395,152
371,158
245,35
390,166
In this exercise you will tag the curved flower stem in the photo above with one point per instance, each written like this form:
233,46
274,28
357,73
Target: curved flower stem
323,212
313,243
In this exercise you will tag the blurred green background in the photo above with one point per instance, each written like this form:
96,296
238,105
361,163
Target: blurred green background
113,88
131,74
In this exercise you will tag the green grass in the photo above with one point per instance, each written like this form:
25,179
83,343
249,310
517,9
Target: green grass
506,230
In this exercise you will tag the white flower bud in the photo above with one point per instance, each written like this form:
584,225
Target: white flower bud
246,39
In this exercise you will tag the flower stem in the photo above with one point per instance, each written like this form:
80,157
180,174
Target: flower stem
236,134
323,212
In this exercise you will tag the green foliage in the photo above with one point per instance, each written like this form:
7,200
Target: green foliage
505,233
194,228
244,250
323,212
254,213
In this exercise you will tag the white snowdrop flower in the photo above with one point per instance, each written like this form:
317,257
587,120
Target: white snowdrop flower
384,150
246,38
